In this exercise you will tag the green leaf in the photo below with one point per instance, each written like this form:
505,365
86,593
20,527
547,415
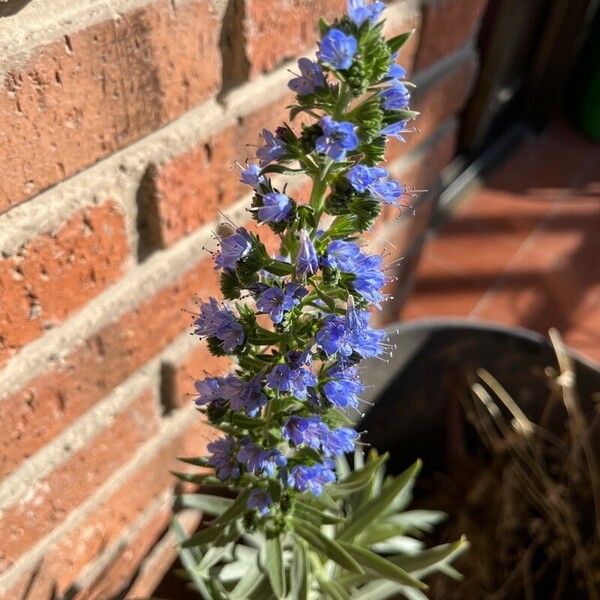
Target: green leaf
302,509
362,520
189,558
189,477
357,480
211,558
197,461
299,573
281,169
398,543
333,590
274,564
202,537
373,562
417,520
379,590
379,532
213,505
330,548
427,561
324,501
250,581
236,509
398,41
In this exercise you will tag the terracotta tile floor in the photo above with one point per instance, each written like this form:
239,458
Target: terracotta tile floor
524,249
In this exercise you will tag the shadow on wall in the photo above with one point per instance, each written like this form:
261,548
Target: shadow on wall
11,7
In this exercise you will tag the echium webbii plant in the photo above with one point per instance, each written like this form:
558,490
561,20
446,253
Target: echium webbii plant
298,522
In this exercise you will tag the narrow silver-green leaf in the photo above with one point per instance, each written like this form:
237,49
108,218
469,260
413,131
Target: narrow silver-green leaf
189,559
212,505
333,590
249,582
274,564
356,480
300,573
235,510
363,519
427,560
315,537
379,590
373,562
301,508
211,558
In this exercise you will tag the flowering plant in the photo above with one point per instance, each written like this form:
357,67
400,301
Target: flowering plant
297,525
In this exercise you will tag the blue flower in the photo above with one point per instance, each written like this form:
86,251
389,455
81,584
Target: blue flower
395,130
312,78
261,500
251,456
359,12
339,441
312,478
365,340
214,321
251,176
223,458
396,71
276,301
362,177
209,390
374,180
350,334
307,261
233,248
293,381
344,386
342,255
275,208
273,149
395,97
369,279
304,431
388,191
258,460
337,49
337,138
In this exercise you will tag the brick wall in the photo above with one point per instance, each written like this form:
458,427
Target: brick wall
119,125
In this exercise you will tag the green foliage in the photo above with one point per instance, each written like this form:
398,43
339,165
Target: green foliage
330,548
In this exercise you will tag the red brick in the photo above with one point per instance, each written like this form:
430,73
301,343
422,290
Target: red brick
425,171
52,400
275,33
110,520
51,276
447,26
159,560
81,97
437,102
188,191
51,500
115,579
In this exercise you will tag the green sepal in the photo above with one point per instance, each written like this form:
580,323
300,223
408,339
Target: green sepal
395,43
230,285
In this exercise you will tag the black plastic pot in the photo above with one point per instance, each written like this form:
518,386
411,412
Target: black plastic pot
416,409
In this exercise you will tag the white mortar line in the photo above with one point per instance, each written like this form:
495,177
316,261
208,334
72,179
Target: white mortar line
44,21
91,572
